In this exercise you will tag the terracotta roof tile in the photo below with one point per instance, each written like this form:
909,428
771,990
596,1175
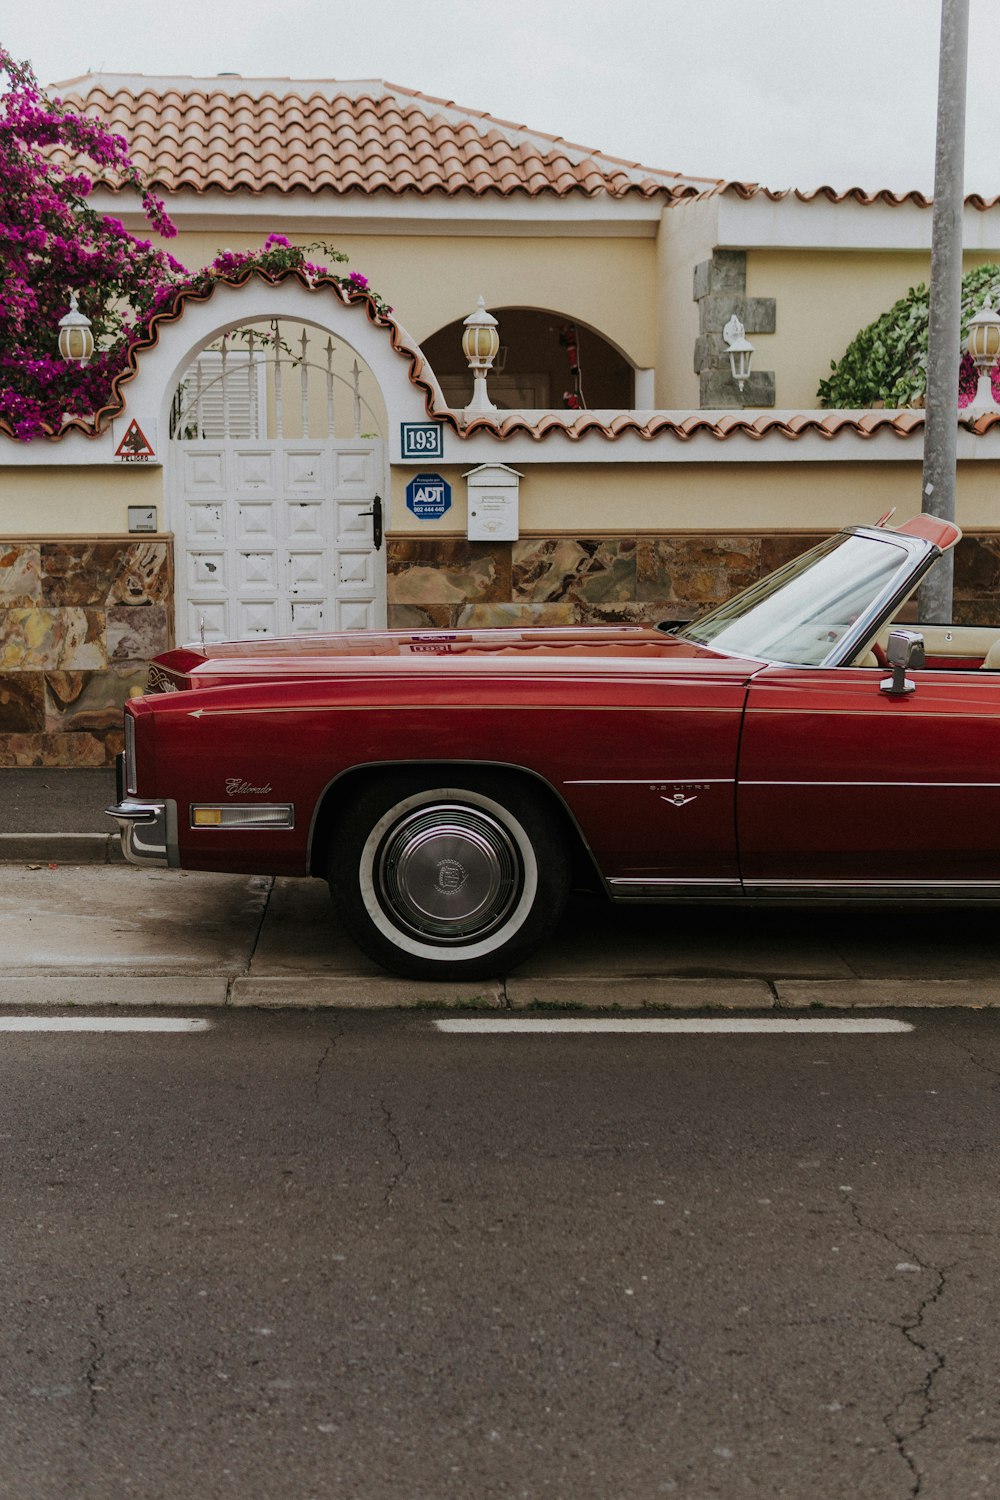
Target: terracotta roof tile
747,190
228,134
718,425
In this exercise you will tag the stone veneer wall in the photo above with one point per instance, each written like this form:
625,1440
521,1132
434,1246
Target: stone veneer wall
79,620
451,582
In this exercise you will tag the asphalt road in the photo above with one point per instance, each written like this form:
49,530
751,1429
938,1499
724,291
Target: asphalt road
347,1255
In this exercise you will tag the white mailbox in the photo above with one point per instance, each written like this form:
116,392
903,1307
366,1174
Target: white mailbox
493,503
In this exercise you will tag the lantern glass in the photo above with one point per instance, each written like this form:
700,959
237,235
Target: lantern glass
76,341
480,340
984,336
740,362
76,344
480,343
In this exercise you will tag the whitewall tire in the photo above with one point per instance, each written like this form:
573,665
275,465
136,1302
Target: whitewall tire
459,878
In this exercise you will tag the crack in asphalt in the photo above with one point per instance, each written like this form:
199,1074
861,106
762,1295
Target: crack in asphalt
977,1062
397,1147
650,1339
919,1399
91,1376
318,1074
923,1395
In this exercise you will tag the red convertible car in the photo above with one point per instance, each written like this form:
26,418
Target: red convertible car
795,743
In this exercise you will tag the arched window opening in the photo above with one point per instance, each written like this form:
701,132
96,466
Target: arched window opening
545,360
278,378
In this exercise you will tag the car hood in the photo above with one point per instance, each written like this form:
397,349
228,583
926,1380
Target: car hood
230,663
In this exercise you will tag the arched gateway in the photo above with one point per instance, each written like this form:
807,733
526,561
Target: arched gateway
276,486
272,405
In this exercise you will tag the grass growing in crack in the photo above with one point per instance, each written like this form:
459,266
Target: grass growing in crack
474,1002
561,1005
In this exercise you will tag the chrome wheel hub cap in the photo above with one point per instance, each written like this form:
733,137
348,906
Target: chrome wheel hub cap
448,872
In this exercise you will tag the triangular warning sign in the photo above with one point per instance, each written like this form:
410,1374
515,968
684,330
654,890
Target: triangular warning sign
134,444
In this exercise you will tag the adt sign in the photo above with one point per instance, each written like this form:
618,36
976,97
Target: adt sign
428,496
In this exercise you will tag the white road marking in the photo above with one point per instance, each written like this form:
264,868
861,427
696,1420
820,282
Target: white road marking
101,1023
676,1024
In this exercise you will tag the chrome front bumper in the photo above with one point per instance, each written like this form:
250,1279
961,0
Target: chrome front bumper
148,831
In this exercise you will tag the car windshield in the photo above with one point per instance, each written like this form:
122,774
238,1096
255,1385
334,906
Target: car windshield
799,613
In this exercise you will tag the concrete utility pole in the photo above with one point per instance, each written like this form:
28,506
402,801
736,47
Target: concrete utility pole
941,429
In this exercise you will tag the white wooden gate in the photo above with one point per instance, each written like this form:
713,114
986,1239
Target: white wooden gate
274,534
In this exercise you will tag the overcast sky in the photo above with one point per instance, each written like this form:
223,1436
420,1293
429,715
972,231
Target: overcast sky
786,92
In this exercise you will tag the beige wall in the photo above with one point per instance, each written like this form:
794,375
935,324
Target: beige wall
571,498
823,299
604,498
687,237
430,280
85,501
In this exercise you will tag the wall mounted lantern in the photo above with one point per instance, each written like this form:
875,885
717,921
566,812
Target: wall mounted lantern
76,342
984,346
740,350
480,343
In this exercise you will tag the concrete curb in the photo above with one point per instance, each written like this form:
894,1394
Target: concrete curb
855,994
61,849
362,992
85,990
638,992
374,992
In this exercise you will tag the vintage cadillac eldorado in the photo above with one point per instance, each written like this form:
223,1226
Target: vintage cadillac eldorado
796,743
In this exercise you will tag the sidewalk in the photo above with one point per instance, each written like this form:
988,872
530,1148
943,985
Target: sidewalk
76,935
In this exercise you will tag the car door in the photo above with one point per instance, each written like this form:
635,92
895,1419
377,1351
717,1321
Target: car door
842,785
649,771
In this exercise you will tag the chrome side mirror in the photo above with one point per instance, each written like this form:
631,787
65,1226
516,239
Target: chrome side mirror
905,649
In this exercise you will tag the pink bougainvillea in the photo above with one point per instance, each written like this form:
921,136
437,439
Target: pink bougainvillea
53,242
968,381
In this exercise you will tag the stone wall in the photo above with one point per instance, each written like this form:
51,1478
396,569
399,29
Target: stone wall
568,580
79,620
622,579
564,581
